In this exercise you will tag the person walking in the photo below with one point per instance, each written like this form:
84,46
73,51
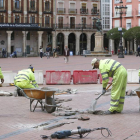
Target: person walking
66,54
48,52
138,50
3,53
111,68
15,54
54,51
1,76
41,52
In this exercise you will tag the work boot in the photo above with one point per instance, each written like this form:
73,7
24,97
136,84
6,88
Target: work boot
109,112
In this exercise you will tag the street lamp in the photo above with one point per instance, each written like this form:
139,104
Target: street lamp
82,36
120,10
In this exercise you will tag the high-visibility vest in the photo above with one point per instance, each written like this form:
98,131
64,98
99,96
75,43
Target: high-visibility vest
27,75
1,75
107,69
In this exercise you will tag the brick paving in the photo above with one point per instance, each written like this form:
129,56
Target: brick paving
18,123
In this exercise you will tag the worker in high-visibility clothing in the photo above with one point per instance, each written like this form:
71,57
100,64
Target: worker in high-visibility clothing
1,76
25,78
111,68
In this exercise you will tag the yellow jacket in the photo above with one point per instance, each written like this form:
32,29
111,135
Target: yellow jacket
1,75
107,69
27,75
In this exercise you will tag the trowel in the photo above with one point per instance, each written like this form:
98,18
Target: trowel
93,105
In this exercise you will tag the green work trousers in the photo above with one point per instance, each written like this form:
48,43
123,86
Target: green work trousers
118,89
24,84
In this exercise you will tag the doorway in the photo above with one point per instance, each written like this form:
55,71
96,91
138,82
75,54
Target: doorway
71,42
12,49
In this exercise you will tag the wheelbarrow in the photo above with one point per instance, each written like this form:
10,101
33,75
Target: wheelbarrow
138,93
43,96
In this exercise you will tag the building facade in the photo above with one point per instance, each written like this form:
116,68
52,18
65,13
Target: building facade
25,26
76,24
129,20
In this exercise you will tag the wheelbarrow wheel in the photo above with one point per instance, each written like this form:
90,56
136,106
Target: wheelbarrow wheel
50,101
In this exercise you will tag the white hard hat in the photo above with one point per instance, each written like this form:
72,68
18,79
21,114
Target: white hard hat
93,62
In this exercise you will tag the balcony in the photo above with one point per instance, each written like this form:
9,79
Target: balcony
2,10
17,10
94,12
83,11
75,26
72,11
32,10
47,11
95,0
61,10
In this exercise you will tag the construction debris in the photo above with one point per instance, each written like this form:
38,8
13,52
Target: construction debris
68,91
57,100
83,118
5,93
63,113
131,93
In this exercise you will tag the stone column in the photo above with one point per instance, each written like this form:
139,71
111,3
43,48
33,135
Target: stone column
77,44
54,39
9,43
39,39
24,43
98,42
88,43
66,40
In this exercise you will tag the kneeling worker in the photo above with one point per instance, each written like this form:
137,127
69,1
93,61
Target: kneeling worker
111,68
1,76
25,78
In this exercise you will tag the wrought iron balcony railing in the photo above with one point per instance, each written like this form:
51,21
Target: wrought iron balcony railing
2,9
83,11
75,26
72,11
94,12
17,10
61,11
47,11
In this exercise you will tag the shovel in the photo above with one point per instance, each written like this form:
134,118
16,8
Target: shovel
92,107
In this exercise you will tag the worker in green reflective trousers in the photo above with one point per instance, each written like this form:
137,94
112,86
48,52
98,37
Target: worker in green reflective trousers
25,78
111,68
1,76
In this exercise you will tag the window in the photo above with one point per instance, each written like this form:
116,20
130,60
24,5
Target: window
28,36
17,18
47,5
47,21
83,8
1,4
32,19
94,10
60,22
1,19
128,26
32,4
12,36
17,4
128,0
117,1
72,8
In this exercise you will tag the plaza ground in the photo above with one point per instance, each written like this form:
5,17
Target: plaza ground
17,122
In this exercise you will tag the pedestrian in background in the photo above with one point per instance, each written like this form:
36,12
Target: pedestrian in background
3,53
54,51
41,52
138,51
66,54
57,51
48,50
111,68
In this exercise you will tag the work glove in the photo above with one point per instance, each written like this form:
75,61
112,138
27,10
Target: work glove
104,91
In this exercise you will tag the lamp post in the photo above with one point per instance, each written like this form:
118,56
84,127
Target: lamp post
120,10
82,36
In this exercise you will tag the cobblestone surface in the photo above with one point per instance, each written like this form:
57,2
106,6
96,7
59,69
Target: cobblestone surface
17,122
